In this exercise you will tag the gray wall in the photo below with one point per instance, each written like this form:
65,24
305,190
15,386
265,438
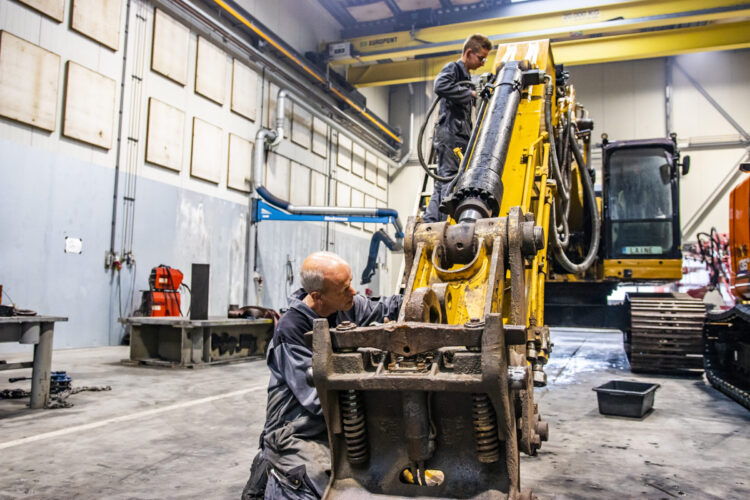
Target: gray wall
52,187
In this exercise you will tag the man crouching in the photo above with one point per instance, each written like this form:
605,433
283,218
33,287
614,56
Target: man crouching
294,459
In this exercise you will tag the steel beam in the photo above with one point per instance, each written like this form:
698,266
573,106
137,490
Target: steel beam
668,84
729,180
723,112
560,21
723,36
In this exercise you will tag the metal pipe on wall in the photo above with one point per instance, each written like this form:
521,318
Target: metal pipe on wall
668,84
237,12
207,26
265,138
284,94
110,257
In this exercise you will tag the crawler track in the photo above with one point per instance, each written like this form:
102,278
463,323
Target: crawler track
726,356
666,334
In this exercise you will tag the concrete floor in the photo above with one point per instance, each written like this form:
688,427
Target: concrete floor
164,433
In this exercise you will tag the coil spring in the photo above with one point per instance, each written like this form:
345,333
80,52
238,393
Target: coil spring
485,429
355,428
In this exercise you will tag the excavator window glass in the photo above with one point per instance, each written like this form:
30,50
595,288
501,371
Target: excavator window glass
640,204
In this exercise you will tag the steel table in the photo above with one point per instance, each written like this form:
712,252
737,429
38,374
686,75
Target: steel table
189,343
37,330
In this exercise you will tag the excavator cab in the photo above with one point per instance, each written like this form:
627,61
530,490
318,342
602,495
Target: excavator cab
641,209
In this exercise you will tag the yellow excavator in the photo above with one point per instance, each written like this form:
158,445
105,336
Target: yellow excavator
441,402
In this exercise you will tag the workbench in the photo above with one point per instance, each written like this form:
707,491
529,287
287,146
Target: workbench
37,330
187,343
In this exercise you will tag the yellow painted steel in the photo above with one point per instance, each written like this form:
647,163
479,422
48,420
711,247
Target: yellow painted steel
525,181
561,23
643,269
518,172
714,37
722,36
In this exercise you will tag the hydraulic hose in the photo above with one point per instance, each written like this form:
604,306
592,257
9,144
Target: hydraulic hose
552,148
588,189
470,145
562,186
440,178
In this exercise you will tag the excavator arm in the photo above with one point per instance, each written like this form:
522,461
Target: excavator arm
441,402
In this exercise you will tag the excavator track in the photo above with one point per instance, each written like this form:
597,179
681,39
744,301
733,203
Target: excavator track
726,357
666,333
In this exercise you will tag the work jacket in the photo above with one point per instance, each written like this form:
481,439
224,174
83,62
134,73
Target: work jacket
453,126
294,438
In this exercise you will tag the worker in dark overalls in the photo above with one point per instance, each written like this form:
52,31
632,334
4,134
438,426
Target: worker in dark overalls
294,459
454,119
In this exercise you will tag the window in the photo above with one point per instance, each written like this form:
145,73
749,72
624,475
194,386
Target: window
640,201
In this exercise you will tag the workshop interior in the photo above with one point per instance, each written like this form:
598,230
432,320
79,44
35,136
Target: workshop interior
576,323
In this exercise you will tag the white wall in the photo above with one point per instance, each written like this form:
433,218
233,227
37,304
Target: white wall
303,24
626,100
378,99
56,187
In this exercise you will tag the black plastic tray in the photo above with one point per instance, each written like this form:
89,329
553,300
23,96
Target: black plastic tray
625,399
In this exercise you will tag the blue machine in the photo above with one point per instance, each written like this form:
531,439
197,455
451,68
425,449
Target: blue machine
269,207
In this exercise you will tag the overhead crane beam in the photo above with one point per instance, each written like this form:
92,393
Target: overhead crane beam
559,22
721,36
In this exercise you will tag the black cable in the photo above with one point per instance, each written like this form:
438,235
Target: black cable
437,177
191,297
420,155
9,297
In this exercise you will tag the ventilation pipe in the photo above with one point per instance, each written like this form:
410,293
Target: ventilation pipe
268,139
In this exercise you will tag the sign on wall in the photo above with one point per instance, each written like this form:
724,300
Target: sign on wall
29,77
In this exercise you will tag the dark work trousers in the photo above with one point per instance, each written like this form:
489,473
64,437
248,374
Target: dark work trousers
447,162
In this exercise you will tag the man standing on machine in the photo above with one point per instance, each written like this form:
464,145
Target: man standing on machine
453,86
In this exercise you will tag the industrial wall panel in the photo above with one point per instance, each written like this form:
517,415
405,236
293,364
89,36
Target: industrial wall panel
418,4
370,203
54,9
210,71
318,191
382,173
358,160
169,51
371,167
207,151
277,175
320,137
301,127
343,195
29,77
244,90
239,163
164,135
358,201
89,111
98,20
344,152
300,184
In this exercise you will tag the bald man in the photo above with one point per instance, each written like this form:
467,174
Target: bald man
294,460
